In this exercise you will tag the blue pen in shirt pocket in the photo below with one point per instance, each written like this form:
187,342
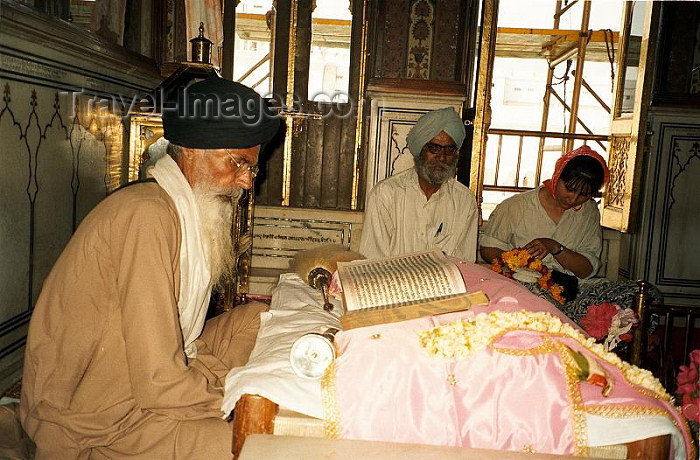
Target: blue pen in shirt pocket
439,230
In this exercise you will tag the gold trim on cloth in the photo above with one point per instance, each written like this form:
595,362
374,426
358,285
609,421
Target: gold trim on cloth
459,339
625,411
331,411
578,417
547,347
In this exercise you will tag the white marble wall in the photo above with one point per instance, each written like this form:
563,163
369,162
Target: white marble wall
55,164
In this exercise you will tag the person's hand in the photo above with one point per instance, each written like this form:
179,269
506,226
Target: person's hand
540,247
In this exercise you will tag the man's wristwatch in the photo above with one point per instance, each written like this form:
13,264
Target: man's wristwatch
558,251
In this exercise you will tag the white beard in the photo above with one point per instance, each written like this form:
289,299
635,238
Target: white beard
216,219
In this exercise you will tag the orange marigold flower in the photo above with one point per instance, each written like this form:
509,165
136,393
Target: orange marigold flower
556,291
536,265
519,257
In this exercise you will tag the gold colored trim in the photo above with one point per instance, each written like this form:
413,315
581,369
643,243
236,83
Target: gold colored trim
286,166
622,215
138,144
482,118
331,411
292,49
641,411
360,111
289,101
578,418
546,347
621,59
626,411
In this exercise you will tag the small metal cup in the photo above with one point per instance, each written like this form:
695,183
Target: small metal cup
312,353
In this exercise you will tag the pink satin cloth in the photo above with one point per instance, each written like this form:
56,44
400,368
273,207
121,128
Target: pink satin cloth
388,388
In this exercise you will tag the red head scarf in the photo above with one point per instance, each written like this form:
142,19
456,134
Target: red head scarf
564,160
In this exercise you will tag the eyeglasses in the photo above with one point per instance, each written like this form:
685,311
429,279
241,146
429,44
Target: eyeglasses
437,149
244,165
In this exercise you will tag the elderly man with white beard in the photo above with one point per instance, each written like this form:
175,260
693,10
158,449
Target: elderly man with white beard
119,360
424,208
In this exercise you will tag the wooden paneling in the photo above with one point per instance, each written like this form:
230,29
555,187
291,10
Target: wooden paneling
315,168
664,249
322,159
268,184
346,164
677,75
298,162
332,129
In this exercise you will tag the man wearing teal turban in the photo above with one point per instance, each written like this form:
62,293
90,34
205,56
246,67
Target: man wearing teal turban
424,208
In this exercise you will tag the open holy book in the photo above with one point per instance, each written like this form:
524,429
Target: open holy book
402,287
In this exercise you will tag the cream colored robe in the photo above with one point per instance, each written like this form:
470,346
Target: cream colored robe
105,374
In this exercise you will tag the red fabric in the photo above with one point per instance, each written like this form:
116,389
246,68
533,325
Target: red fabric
597,320
564,160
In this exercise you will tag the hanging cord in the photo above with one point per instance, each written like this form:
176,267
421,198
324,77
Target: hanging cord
562,81
610,48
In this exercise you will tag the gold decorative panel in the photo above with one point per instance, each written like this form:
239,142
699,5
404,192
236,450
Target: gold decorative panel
618,157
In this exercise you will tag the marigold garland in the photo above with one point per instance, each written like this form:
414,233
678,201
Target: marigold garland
516,258
460,339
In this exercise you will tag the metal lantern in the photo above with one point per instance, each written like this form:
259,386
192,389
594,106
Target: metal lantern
201,47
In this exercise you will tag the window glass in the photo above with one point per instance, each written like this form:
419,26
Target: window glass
329,63
517,91
539,14
491,199
518,156
632,50
252,44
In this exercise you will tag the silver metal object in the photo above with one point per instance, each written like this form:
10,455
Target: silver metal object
312,353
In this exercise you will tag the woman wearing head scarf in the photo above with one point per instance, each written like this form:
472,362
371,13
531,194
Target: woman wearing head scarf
557,222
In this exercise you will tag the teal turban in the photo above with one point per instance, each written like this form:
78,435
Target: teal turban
430,125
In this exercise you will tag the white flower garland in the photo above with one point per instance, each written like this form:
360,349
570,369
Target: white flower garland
458,340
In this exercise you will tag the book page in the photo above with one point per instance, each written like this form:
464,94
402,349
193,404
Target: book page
398,281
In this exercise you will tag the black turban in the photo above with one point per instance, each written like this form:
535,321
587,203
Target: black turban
218,114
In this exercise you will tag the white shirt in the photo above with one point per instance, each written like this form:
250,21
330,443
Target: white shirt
522,218
399,219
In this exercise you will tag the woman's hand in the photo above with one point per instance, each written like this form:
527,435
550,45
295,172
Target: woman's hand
571,260
540,247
